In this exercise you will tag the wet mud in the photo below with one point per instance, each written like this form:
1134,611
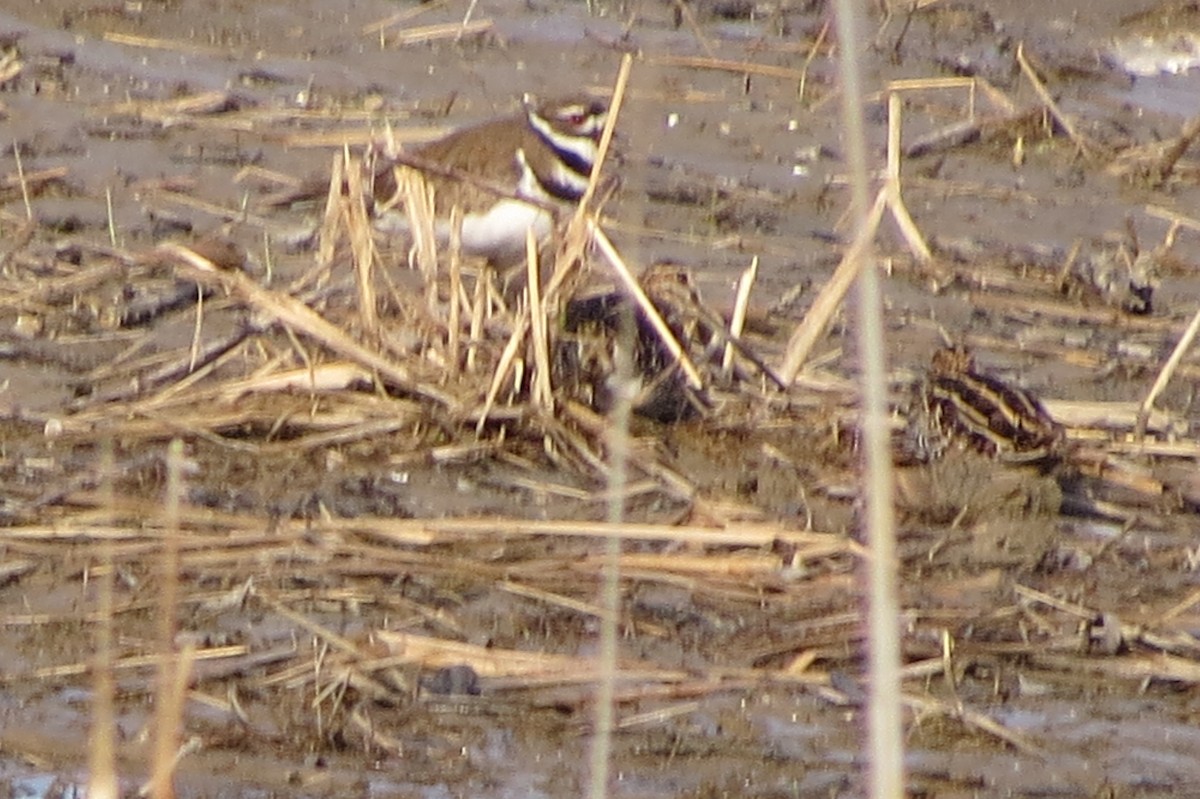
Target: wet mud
334,549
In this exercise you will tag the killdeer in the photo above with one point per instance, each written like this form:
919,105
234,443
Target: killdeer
507,175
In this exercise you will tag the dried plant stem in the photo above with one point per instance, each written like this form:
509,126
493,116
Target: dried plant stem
478,316
890,198
445,30
197,348
908,228
167,708
327,245
808,59
576,238
618,450
685,12
111,216
1165,374
399,17
610,125
643,302
507,359
1086,148
543,390
416,195
742,67
362,247
737,322
16,149
466,20
155,43
805,336
1174,217
454,334
618,477
885,757
102,754
294,314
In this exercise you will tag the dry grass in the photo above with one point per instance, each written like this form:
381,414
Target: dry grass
449,370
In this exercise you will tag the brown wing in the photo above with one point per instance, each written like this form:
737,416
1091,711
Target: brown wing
485,152
464,161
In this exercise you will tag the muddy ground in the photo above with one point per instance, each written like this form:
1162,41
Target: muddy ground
1049,613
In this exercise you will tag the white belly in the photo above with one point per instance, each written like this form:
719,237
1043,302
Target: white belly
501,232
498,234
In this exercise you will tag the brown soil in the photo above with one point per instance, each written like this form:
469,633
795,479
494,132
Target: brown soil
1048,613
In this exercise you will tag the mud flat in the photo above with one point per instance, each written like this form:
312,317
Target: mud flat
389,558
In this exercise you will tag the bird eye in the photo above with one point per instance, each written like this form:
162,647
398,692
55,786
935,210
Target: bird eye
573,115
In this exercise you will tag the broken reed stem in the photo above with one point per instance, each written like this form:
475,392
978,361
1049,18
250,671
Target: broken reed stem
890,197
808,59
1165,165
466,20
112,220
740,305
392,20
610,125
197,332
725,65
507,359
1165,374
689,16
908,228
174,700
417,196
819,315
576,238
16,149
327,246
647,307
444,30
1174,217
478,316
1039,88
362,248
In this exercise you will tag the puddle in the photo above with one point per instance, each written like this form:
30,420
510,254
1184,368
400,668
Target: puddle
1167,95
1145,56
